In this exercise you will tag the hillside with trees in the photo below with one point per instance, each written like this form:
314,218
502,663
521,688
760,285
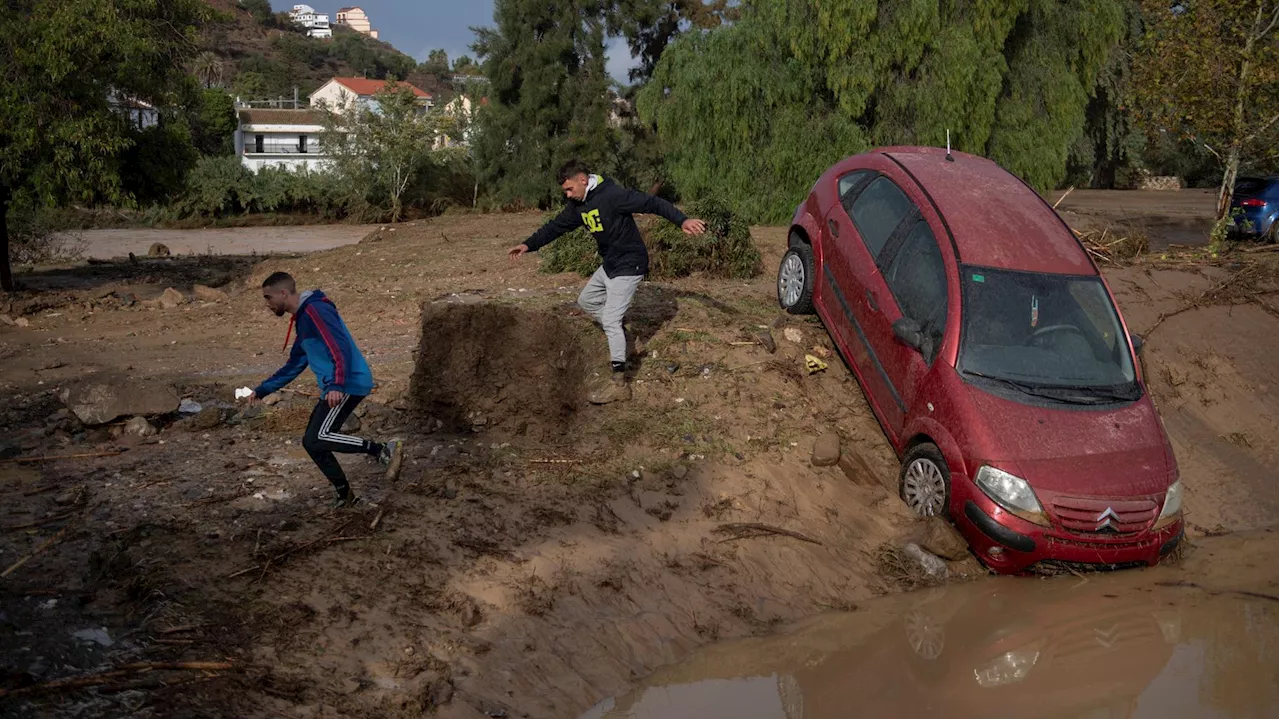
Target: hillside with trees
257,54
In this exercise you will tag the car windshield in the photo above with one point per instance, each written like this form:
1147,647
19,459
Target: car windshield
1039,331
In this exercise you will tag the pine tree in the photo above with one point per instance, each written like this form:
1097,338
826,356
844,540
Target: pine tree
549,97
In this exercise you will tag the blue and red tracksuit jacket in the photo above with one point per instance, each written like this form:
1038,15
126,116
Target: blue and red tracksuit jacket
324,343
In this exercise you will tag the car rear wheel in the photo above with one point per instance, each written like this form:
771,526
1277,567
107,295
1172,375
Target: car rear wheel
925,481
795,280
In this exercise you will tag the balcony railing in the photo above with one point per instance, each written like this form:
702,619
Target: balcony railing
281,148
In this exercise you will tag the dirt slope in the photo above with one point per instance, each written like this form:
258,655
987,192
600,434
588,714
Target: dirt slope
529,562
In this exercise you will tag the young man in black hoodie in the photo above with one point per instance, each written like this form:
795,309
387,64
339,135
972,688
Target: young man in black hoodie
606,210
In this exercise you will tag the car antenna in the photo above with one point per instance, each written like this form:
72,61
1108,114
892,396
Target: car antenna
949,157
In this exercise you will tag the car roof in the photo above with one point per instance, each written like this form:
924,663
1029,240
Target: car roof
995,218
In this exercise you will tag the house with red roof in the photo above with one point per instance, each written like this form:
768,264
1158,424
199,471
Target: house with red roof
343,93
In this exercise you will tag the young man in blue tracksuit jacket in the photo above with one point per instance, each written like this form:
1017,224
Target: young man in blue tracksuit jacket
341,373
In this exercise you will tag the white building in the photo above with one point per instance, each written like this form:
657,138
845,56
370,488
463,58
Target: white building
458,110
341,94
289,139
356,19
316,23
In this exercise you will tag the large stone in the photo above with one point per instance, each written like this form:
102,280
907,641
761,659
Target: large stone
942,539
100,399
139,427
205,293
171,298
208,418
826,450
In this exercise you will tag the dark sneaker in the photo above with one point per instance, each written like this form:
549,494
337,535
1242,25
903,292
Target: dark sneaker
393,452
388,451
350,500
615,389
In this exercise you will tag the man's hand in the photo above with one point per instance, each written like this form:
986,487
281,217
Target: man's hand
694,227
516,251
333,397
252,399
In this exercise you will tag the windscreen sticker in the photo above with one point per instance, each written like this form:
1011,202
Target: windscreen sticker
979,278
1035,311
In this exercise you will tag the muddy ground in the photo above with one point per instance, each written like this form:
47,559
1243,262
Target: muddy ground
536,554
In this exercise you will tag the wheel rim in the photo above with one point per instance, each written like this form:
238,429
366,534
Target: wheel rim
925,636
791,280
923,488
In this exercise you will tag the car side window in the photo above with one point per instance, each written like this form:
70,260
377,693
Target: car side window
877,211
917,277
852,184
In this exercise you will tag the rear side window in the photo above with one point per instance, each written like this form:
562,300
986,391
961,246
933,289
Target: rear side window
1248,186
877,211
917,277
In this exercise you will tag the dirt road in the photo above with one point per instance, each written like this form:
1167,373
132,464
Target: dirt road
532,560
105,244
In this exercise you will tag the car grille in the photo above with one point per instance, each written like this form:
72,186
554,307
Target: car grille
1056,567
1102,517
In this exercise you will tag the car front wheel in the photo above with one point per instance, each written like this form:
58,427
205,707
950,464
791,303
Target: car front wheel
925,481
795,280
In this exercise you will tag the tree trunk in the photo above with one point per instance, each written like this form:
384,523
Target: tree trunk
1237,115
6,272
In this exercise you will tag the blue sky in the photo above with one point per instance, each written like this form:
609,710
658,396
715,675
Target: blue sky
415,27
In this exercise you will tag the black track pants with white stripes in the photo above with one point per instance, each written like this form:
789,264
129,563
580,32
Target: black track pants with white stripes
322,440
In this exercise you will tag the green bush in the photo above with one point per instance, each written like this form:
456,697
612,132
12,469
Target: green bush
221,186
725,250
574,252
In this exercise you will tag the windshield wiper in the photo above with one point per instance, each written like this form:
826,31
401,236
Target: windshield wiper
1128,394
1048,391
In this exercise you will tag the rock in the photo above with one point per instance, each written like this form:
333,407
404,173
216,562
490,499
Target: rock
942,539
9,450
679,471
65,498
96,636
251,412
139,427
208,418
766,340
101,399
6,319
826,450
150,304
172,298
189,406
352,425
271,400
22,322
158,249
209,294
793,334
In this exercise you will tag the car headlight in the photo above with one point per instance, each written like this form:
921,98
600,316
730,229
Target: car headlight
1011,492
1172,505
1007,668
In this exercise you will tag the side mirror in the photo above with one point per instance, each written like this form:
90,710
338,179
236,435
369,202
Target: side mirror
909,333
1137,341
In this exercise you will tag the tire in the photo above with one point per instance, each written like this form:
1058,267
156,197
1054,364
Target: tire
925,482
795,280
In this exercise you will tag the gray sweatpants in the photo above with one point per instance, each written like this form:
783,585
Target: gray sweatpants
606,300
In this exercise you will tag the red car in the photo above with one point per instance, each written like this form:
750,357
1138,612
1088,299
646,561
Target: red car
991,350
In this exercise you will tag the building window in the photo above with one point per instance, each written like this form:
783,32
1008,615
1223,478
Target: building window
257,143
302,143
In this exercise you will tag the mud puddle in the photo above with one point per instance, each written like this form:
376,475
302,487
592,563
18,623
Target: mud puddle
1166,642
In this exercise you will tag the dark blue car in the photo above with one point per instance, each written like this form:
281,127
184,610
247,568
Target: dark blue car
1256,202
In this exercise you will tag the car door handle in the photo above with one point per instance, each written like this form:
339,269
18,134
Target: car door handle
871,301
835,229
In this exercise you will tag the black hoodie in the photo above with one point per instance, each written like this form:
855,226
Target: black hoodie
607,214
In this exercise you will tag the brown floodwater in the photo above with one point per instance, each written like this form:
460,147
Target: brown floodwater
1125,644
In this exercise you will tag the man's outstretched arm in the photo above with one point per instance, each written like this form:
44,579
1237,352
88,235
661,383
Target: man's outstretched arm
634,201
562,223
286,374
